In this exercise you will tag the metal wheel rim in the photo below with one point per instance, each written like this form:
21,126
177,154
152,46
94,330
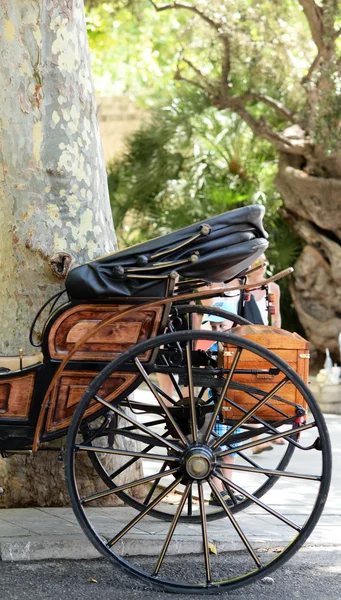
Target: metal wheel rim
293,546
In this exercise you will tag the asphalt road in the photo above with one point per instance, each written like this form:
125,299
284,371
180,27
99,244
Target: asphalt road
313,574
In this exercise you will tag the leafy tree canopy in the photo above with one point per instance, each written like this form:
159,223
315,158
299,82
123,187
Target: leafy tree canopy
132,49
187,163
134,46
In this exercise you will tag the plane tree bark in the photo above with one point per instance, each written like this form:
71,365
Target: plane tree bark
54,203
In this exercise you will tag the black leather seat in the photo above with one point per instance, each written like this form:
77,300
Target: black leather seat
217,249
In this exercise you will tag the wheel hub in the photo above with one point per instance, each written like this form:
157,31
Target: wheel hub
198,462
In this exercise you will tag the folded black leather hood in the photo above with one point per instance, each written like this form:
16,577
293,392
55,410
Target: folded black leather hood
217,249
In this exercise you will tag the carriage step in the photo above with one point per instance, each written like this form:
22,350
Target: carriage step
9,453
20,362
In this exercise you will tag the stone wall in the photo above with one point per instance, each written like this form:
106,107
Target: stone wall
327,396
118,117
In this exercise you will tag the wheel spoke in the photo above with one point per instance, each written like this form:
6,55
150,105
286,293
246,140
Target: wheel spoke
126,453
172,528
204,534
126,486
160,401
222,395
269,472
172,378
191,392
138,518
132,461
248,459
270,438
190,503
139,425
257,501
147,424
249,414
154,486
258,419
236,525
161,392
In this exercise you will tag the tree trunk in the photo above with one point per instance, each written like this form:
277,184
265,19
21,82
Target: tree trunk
54,201
311,196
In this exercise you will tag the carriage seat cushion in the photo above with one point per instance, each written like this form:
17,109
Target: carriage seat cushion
12,363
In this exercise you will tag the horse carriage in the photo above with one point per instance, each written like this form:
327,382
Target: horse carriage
126,372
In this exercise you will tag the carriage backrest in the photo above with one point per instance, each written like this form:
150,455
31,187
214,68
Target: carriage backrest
217,249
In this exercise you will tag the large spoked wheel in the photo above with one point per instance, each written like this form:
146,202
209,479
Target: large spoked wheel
107,431
195,455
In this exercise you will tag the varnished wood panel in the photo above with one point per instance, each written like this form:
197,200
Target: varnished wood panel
108,342
15,395
70,389
291,347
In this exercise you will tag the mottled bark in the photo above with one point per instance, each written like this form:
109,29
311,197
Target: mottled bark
39,479
54,203
313,205
54,199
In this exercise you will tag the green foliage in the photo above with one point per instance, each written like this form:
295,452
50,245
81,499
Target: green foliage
137,50
132,49
188,163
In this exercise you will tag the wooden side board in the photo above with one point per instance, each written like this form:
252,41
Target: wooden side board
15,395
111,340
70,388
291,347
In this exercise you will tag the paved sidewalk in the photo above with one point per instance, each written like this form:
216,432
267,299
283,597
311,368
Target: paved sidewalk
54,533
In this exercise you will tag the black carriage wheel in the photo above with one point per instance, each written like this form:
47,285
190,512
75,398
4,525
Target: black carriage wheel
218,512
195,460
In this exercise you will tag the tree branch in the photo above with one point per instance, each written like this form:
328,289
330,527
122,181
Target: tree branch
336,34
280,109
176,5
313,15
224,38
260,128
222,100
226,63
314,65
197,71
179,77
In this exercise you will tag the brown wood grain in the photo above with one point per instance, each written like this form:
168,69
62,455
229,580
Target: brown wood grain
111,340
291,347
15,395
69,390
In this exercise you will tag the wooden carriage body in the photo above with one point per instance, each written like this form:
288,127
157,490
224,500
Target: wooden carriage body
116,302
24,391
